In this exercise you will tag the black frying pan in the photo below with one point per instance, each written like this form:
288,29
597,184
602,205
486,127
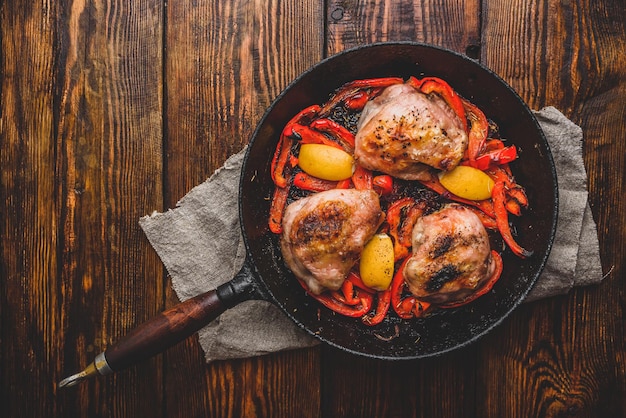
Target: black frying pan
265,276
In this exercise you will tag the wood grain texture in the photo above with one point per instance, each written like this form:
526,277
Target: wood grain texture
453,24
81,135
225,63
30,333
108,175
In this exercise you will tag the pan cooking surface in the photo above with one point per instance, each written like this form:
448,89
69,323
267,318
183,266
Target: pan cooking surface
446,329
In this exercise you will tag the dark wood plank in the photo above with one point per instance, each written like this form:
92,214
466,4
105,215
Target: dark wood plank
31,329
109,164
81,144
565,356
453,24
225,63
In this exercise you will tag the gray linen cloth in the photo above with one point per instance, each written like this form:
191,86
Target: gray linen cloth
201,246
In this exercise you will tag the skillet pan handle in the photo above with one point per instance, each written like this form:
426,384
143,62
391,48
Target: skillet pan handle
170,327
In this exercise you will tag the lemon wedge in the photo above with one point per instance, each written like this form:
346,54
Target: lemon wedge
467,182
376,265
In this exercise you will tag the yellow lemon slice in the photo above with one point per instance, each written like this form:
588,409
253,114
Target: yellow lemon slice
376,265
325,162
467,182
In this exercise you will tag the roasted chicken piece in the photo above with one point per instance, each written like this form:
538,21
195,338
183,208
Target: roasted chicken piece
451,256
403,132
324,234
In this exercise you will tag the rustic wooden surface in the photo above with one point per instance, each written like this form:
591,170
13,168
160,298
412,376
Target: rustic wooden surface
111,109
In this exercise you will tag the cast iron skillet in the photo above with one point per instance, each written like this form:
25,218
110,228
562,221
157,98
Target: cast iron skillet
264,275
449,329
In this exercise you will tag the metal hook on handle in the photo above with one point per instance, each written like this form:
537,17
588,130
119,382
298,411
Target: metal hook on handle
100,366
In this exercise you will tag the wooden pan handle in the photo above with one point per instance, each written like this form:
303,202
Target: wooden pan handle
164,330
170,327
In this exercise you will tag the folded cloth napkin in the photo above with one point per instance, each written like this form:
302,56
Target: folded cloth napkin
201,246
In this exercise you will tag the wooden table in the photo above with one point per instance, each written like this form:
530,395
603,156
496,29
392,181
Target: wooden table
111,109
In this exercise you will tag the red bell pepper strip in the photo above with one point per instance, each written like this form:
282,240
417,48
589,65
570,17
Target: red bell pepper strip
337,131
305,116
305,181
478,131
487,221
382,307
383,184
436,85
394,220
281,156
495,276
356,311
493,144
408,307
362,178
344,184
513,207
346,294
358,282
513,190
277,208
357,101
498,195
517,193
495,157
283,149
353,87
306,135
405,232
403,310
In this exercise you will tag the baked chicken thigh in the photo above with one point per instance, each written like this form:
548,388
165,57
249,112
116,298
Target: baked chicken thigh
403,132
451,256
324,234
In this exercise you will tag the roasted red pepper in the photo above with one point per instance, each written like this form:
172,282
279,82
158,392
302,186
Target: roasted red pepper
354,311
513,190
487,221
408,307
277,208
281,156
306,135
346,294
337,131
436,85
478,131
362,178
344,184
350,89
394,220
282,153
495,157
382,307
485,288
383,184
358,282
305,181
357,101
498,195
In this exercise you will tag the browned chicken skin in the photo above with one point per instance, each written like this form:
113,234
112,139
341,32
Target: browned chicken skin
403,132
324,234
451,256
